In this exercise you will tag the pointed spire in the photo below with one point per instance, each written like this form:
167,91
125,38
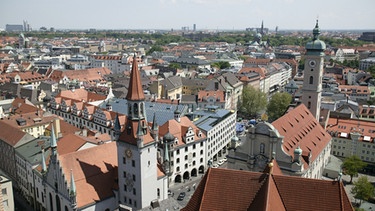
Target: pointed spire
110,95
44,166
135,91
117,127
154,124
316,30
166,152
53,137
72,191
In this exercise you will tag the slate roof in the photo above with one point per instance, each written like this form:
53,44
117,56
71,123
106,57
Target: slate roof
164,112
224,189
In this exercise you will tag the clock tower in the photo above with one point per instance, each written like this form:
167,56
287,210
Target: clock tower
138,181
313,73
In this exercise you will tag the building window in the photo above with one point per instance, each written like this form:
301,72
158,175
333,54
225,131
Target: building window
134,192
262,146
311,80
134,177
133,163
4,191
186,157
178,160
178,151
309,105
123,160
186,149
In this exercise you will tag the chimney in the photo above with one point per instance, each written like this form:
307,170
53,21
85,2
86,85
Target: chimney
84,132
216,86
57,128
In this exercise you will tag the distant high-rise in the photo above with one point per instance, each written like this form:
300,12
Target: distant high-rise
13,28
194,27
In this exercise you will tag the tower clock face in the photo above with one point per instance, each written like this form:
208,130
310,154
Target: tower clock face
312,63
128,153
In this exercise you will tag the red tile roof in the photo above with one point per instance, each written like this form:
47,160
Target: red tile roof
217,95
179,129
344,127
130,135
135,91
80,95
95,171
10,134
300,128
224,189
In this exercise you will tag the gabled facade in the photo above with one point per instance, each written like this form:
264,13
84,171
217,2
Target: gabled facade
296,141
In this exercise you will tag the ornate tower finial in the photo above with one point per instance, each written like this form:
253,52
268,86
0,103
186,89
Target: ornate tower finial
44,166
117,128
73,190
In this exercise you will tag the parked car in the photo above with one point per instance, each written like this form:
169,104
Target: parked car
220,162
215,166
181,196
225,159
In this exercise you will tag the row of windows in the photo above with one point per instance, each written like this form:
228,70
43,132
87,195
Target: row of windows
186,166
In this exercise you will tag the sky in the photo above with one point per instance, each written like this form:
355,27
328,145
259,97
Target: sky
174,14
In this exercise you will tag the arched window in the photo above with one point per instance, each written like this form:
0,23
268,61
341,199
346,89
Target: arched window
262,147
142,108
136,109
311,80
58,204
50,201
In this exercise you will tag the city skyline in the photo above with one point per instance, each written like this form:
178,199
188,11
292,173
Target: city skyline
175,14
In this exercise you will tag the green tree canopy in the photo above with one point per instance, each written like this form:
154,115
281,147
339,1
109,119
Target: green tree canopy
174,65
352,165
154,48
362,189
279,102
253,101
221,64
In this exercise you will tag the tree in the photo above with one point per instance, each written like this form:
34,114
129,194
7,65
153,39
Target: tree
221,64
253,101
174,65
352,165
279,102
154,48
362,189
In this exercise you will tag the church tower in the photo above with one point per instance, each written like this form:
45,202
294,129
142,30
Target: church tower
137,151
313,73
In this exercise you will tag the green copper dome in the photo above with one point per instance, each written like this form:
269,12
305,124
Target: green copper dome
316,44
